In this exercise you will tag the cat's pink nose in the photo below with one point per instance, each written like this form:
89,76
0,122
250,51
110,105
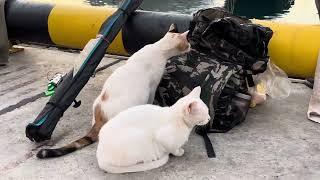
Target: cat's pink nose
189,47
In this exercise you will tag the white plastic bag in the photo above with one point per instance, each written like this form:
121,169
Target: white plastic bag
276,82
258,94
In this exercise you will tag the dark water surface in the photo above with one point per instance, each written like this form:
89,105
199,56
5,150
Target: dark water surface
298,11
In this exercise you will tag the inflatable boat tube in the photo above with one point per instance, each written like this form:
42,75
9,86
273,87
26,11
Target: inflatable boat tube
293,47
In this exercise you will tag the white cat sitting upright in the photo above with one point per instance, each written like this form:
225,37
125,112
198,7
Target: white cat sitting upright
142,137
130,85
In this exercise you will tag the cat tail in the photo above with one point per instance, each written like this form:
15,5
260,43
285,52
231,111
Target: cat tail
137,167
88,139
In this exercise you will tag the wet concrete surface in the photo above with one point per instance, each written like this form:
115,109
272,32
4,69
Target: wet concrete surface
275,142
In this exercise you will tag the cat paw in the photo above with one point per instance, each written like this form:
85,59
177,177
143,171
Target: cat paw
179,152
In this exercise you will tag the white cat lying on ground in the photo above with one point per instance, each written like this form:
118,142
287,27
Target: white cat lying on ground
142,137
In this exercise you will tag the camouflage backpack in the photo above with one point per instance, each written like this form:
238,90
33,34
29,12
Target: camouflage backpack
226,51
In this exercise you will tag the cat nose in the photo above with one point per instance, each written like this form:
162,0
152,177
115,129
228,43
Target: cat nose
189,48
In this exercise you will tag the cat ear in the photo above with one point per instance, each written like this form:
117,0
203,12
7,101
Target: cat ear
195,92
173,28
192,107
184,35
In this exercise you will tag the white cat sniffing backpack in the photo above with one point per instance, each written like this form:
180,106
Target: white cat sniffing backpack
142,137
130,85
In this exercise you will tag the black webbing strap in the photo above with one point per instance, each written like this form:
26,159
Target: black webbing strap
124,11
207,142
249,78
209,147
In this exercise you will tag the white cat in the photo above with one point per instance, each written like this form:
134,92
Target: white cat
130,85
142,137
